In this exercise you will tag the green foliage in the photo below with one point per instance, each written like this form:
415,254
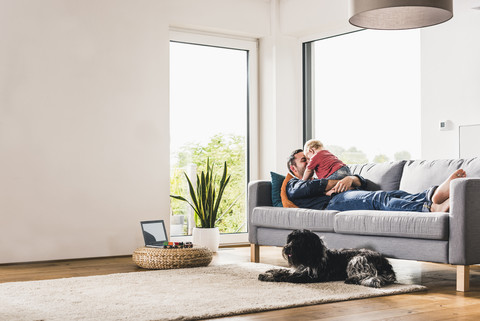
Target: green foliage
402,155
349,156
205,198
178,187
230,149
336,150
380,158
355,156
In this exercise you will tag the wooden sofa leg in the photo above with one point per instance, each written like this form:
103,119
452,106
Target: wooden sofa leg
255,253
463,278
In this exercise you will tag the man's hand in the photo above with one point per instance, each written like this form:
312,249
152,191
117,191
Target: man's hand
339,186
342,185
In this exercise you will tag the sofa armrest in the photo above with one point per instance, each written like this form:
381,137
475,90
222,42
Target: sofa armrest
259,194
464,239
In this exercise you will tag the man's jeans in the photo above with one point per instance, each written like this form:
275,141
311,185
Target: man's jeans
382,201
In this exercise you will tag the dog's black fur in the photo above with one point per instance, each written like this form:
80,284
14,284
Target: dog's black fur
313,262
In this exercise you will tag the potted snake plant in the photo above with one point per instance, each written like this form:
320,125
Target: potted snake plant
205,200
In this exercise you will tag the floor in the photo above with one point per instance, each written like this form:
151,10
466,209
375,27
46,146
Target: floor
440,302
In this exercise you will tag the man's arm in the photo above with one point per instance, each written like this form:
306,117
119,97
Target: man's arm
330,184
308,194
297,188
344,184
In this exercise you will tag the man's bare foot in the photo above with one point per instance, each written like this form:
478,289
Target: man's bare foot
444,207
442,193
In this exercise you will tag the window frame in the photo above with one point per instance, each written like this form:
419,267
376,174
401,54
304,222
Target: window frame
251,46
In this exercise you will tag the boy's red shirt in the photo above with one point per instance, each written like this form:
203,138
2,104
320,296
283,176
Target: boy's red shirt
324,164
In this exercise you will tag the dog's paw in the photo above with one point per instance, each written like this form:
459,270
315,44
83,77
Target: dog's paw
373,282
267,277
350,281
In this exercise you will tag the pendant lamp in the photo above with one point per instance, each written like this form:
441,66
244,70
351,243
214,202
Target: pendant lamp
399,14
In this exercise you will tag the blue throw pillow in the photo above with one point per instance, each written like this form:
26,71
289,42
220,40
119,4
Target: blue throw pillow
277,181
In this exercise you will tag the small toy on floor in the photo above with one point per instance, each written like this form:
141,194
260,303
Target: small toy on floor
177,245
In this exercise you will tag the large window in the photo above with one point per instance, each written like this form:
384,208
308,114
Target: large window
210,78
362,95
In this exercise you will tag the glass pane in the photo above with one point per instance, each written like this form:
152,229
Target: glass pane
367,95
208,119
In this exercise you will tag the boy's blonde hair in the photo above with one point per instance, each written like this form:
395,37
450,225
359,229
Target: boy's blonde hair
313,144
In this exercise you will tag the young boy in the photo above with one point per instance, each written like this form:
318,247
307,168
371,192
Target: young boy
322,162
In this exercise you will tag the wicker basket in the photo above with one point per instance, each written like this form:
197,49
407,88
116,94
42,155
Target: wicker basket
156,258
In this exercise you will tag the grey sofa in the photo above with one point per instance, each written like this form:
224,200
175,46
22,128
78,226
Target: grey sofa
452,238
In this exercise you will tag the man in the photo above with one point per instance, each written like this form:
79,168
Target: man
344,194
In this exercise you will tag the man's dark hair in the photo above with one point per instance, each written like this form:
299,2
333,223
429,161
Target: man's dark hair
291,159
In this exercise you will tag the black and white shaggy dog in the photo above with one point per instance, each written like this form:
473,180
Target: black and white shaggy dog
313,262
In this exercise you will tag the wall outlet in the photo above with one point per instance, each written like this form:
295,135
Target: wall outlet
445,125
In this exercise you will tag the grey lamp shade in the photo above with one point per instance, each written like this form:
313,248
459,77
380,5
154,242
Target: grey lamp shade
399,14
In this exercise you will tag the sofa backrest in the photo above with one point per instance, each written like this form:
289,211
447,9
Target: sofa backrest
413,176
418,175
383,176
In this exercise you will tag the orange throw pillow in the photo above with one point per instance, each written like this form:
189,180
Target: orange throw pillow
283,192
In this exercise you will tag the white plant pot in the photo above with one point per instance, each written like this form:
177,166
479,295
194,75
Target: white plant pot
206,237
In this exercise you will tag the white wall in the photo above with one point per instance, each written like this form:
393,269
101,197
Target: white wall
280,95
314,18
231,17
83,126
84,110
450,80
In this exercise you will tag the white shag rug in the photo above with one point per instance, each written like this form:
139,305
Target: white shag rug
181,294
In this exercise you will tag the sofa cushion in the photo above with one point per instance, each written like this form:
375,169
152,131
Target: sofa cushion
432,226
383,176
420,175
277,181
283,192
293,218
